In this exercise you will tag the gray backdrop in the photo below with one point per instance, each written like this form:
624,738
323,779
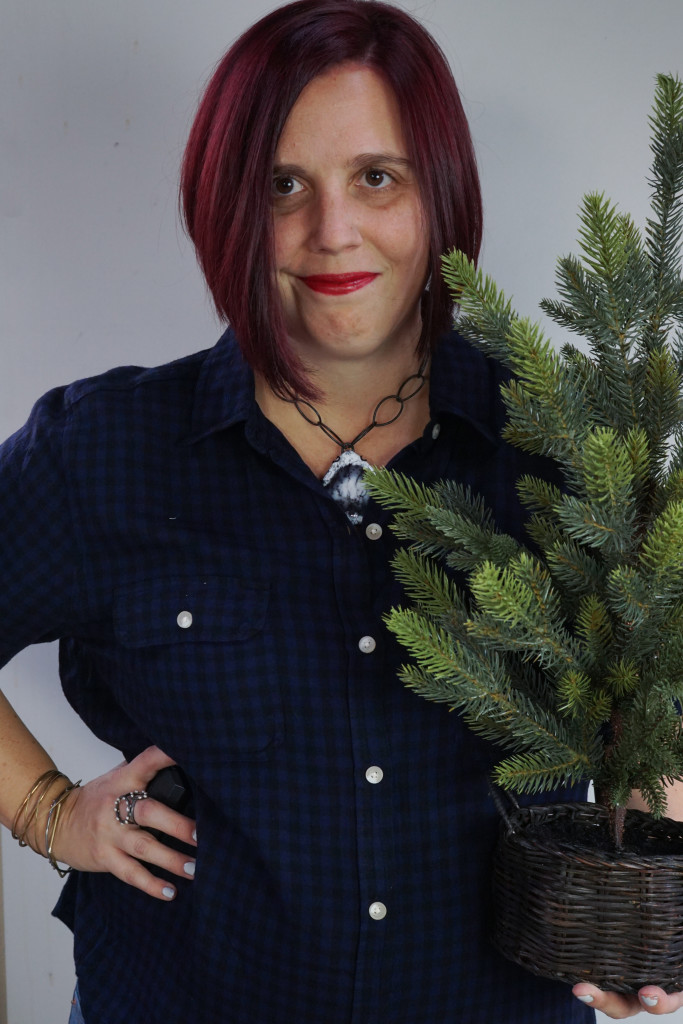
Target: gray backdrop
95,102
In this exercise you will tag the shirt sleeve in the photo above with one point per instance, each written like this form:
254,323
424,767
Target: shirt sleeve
39,553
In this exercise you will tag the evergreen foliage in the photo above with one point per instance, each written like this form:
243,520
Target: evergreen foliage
569,652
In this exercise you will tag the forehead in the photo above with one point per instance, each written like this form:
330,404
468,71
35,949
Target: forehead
349,109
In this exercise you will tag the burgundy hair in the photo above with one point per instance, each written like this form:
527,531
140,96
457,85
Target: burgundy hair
226,177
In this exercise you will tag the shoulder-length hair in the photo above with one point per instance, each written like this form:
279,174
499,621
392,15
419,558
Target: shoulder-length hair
226,179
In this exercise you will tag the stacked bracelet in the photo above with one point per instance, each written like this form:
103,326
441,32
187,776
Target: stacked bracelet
52,823
27,814
26,817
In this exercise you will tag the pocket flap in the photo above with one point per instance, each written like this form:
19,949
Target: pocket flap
175,610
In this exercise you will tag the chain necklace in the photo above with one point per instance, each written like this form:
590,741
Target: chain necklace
344,478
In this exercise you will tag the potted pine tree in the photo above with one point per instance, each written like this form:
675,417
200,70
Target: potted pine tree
569,650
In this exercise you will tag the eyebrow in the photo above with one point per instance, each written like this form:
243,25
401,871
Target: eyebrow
358,162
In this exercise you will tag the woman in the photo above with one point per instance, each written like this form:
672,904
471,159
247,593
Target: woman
199,539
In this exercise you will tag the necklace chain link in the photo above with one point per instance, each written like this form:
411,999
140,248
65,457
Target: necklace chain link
303,407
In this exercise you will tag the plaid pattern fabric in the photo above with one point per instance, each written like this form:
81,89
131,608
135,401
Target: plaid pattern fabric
211,598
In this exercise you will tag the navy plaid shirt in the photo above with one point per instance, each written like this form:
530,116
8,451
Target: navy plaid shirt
344,826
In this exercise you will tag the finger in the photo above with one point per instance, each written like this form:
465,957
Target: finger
650,998
148,763
656,1001
132,872
153,814
144,847
613,1004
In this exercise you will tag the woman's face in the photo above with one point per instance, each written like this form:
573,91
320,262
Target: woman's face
351,241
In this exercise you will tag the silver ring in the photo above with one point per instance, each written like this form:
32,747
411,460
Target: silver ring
130,800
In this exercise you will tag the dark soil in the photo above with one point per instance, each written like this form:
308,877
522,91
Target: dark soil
643,836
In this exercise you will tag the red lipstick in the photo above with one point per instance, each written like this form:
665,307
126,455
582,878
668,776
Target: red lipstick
338,284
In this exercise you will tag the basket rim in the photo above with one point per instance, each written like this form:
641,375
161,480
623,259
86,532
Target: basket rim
518,826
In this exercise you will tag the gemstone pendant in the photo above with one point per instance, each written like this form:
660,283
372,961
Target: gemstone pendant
344,481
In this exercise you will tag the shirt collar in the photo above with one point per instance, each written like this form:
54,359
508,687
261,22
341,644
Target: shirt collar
224,394
464,384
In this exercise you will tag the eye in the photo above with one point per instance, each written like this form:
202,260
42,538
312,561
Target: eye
286,185
376,178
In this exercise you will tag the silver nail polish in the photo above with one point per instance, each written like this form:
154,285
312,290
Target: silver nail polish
188,868
585,999
168,892
649,1000
194,835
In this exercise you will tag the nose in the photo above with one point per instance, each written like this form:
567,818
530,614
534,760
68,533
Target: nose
335,222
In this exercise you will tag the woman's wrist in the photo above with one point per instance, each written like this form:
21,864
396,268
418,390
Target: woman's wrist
37,819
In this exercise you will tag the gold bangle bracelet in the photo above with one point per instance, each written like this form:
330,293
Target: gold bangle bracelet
51,826
27,815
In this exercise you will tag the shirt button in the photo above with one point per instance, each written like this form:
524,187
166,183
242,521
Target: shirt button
374,774
373,531
436,430
367,644
377,911
184,620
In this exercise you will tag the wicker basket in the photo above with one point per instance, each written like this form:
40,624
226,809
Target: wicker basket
567,910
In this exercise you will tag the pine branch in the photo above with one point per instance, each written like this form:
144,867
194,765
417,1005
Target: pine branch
536,773
608,472
580,698
398,491
599,528
594,628
665,228
622,677
575,571
662,552
517,609
661,403
484,315
480,689
429,587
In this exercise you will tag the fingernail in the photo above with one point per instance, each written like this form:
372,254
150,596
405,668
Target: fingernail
194,835
649,1000
168,892
189,867
585,999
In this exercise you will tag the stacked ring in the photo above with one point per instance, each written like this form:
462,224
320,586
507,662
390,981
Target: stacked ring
130,800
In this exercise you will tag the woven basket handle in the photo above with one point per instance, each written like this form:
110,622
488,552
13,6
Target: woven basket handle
504,802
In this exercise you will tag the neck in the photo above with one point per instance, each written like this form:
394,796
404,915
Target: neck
351,393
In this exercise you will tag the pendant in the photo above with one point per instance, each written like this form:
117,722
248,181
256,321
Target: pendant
344,480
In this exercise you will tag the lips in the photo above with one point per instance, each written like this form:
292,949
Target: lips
338,284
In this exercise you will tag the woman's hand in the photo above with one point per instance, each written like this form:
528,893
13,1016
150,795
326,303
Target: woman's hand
90,838
649,999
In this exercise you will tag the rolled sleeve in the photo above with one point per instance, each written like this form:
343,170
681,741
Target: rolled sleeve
39,555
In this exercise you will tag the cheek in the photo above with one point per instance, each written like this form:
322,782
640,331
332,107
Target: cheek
410,259
287,241
406,244
280,244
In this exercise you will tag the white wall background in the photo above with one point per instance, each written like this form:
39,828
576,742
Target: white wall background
95,102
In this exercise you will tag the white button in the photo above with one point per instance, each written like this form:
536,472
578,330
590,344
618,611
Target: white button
377,911
436,430
374,774
373,531
184,620
367,644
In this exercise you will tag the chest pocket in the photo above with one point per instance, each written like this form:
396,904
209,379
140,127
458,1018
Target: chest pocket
194,668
